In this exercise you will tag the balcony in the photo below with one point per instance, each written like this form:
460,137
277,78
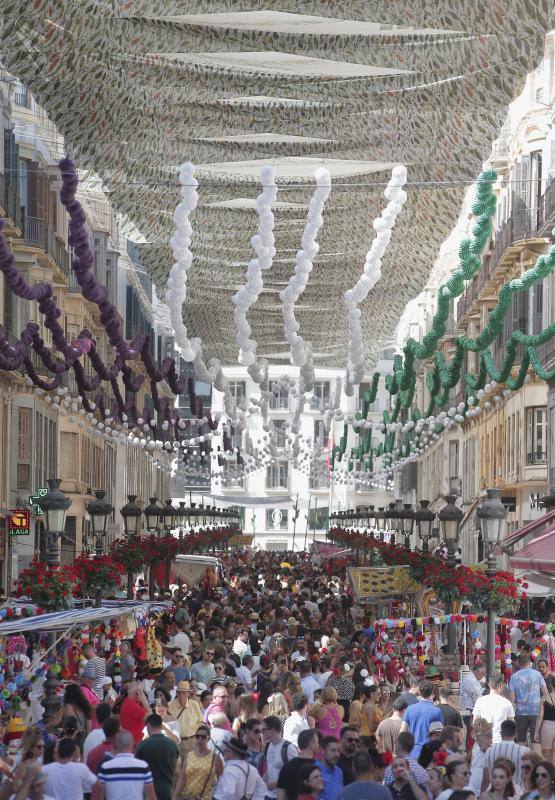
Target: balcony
524,223
38,234
538,458
9,199
23,99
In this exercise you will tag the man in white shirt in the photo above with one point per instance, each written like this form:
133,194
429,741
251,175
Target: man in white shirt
493,707
297,721
102,711
66,778
309,683
471,689
181,640
239,779
241,644
277,753
244,673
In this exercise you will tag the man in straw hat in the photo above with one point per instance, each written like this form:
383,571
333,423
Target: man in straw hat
187,713
239,779
482,735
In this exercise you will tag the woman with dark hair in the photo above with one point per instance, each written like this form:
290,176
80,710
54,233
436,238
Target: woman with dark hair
426,757
75,705
545,725
310,782
543,782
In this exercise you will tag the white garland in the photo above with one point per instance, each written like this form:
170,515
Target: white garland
176,291
263,244
383,226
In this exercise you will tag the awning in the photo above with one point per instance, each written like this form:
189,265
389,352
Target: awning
520,533
539,554
539,584
60,620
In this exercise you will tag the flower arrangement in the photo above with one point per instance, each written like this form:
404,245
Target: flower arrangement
50,588
100,573
131,553
503,592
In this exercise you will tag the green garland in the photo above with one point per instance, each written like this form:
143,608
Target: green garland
444,377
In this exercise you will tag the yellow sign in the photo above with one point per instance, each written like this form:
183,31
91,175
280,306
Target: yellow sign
378,583
240,540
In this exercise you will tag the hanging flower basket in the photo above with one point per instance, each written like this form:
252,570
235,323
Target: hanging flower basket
51,588
132,553
99,573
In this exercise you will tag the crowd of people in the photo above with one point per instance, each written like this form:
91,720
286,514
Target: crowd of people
269,689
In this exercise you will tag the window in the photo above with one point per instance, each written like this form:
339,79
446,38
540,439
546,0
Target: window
322,391
319,432
276,519
536,435
238,390
280,432
68,455
277,476
24,422
280,400
276,547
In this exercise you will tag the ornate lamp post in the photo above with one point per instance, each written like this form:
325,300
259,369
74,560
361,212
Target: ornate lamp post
407,522
170,522
425,519
450,518
54,505
371,520
153,515
380,522
493,517
131,513
99,510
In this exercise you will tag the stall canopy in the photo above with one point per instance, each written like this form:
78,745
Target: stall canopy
192,568
539,554
59,620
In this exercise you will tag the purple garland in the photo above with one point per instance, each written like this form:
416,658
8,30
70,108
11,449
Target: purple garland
12,357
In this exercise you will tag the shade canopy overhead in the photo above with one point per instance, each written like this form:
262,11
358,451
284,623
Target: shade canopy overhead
140,86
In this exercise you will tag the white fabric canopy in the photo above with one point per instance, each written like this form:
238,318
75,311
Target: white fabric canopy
60,620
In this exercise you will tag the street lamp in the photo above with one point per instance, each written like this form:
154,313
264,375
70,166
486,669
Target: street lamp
493,516
131,513
99,510
425,519
380,522
371,520
153,515
170,522
450,518
407,522
54,505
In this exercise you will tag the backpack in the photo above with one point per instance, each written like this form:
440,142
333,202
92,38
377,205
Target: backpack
263,764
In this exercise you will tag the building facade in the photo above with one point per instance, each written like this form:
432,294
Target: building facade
39,437
287,506
510,444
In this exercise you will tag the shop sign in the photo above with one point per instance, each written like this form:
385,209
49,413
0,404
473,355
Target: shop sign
19,522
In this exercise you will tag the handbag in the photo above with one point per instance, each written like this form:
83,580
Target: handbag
208,774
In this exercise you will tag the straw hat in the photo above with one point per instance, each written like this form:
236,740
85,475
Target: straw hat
481,727
183,686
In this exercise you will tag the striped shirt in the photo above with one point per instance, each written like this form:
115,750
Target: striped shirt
509,750
124,777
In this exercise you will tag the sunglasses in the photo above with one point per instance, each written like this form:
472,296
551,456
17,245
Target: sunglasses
201,736
208,652
526,767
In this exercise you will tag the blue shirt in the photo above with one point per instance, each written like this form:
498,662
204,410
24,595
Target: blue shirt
527,685
419,717
333,781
